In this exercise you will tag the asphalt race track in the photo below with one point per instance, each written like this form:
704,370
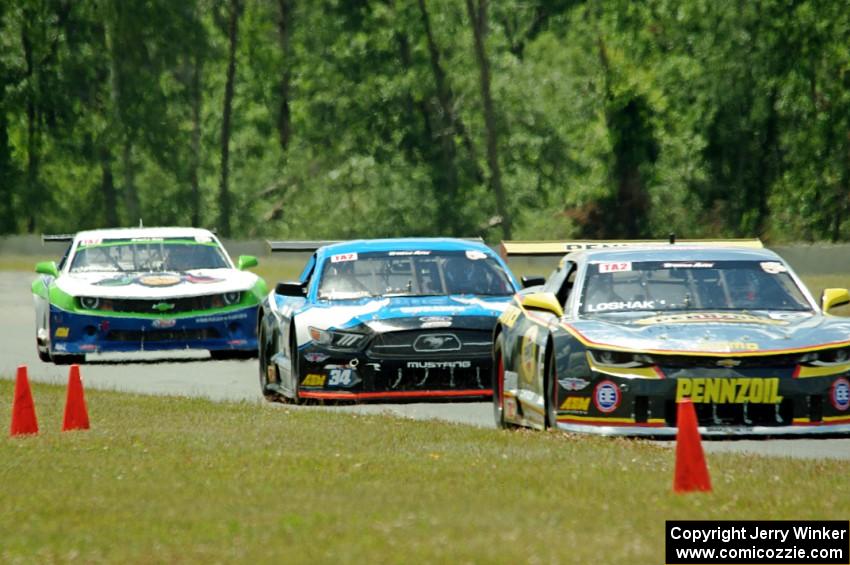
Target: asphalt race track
193,374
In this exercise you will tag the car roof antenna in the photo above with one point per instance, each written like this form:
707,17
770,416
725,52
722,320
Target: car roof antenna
672,237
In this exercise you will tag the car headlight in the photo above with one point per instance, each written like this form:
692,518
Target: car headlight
231,298
620,358
826,357
336,339
89,302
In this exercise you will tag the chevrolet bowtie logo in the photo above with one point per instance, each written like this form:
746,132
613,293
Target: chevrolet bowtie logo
728,363
163,307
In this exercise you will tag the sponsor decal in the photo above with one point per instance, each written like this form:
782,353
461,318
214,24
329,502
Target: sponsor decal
156,280
511,380
88,347
475,255
510,408
439,364
731,390
615,267
436,342
623,305
342,257
510,316
576,404
570,383
728,346
164,323
343,377
314,357
697,265
62,332
527,354
839,394
435,321
313,379
728,363
606,397
222,318
710,317
92,241
425,309
407,253
773,267
61,347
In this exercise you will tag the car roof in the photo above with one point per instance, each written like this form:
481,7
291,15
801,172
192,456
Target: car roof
675,253
406,244
152,232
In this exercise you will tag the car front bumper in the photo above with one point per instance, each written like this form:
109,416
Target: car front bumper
74,333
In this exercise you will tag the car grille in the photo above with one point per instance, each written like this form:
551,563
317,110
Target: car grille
467,378
691,362
164,306
709,415
162,335
430,344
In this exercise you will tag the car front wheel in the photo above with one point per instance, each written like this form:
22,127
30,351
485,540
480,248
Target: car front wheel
499,384
268,369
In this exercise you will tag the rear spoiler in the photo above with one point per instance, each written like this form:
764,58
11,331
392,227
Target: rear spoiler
58,237
312,245
560,248
302,245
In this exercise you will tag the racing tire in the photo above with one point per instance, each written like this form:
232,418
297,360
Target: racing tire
296,377
499,385
550,402
43,355
266,365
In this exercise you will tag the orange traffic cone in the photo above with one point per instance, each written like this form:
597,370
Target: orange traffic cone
23,408
76,416
691,470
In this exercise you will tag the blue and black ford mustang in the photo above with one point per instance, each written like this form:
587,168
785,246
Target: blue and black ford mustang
616,337
384,319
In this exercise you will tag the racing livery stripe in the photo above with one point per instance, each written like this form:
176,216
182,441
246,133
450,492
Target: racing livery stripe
697,353
392,394
803,372
608,421
826,420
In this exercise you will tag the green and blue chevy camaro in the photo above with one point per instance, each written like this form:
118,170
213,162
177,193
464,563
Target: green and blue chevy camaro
145,289
616,337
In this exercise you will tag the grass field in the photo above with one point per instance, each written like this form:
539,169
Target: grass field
179,480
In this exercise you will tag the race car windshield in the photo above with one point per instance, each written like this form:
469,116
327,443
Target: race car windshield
412,273
147,256
690,285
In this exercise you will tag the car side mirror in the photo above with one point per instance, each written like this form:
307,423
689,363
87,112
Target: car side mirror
47,268
291,288
246,262
833,297
545,301
533,280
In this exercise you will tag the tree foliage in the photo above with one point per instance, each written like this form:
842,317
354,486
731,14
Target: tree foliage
341,118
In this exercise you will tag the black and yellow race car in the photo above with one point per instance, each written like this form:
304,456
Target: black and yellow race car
618,334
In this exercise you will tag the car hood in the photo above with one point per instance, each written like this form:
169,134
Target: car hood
388,313
717,332
156,285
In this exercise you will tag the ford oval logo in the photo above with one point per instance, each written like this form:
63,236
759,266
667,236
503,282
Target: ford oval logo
436,342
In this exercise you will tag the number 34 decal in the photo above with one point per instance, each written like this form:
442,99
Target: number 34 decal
343,377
